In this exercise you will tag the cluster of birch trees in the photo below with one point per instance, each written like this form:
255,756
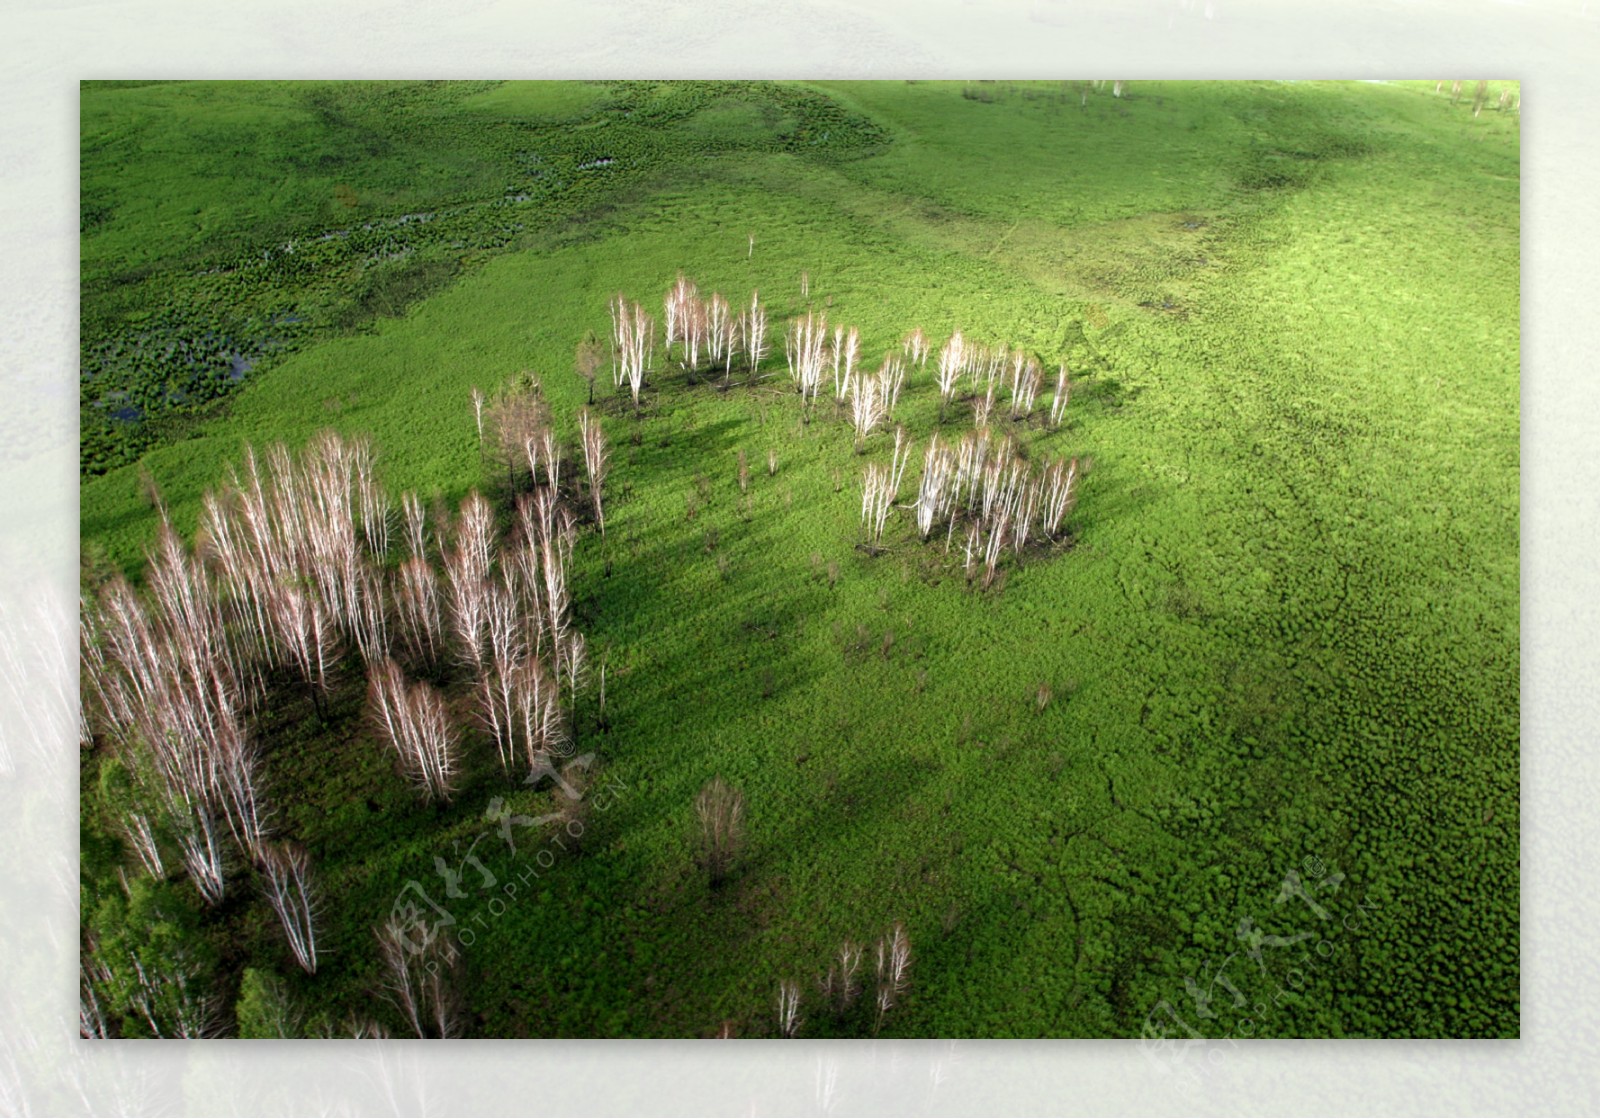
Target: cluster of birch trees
979,486
709,332
840,987
986,371
294,579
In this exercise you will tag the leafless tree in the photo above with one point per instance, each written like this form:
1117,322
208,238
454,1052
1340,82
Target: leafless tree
952,364
477,409
595,463
286,879
519,421
633,341
755,333
1026,380
915,346
805,350
376,511
880,487
894,967
416,522
720,810
417,604
421,980
413,720
788,1007
467,565
497,685
936,492
841,985
719,327
1058,403
537,711
1059,494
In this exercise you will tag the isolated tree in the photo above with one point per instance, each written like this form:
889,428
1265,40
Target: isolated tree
590,354
719,807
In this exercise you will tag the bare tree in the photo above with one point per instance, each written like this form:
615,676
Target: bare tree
840,986
1059,494
415,524
412,718
1058,403
755,337
936,492
519,421
286,876
507,650
805,350
894,967
595,463
1026,380
952,363
720,810
915,346
537,711
421,980
466,566
788,1007
417,604
633,337
880,486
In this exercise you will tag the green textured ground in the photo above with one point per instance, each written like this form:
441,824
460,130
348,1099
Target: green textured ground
1286,638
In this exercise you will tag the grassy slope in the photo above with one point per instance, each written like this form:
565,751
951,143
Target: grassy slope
1289,626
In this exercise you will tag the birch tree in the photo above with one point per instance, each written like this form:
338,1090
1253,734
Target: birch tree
286,879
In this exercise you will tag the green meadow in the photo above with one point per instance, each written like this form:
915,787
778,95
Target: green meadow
1237,757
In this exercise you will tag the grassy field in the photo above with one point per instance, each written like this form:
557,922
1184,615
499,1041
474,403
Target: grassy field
1259,719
